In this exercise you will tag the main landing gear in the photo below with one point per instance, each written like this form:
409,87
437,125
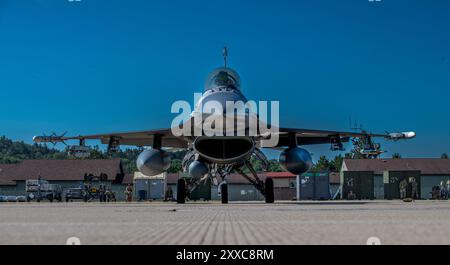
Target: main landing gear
270,196
266,188
181,191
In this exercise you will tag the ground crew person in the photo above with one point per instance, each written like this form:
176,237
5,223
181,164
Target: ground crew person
351,195
113,196
414,190
169,194
102,193
448,188
108,195
87,192
403,186
443,191
129,193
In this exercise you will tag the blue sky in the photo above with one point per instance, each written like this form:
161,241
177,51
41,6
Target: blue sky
103,66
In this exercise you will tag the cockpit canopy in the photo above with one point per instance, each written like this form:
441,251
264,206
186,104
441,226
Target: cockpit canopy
223,78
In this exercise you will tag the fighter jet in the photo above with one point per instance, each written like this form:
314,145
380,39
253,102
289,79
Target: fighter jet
217,156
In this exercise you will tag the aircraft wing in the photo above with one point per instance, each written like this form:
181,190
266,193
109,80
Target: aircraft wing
147,138
309,137
139,138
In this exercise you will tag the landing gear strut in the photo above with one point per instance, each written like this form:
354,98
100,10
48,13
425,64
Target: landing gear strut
181,191
223,173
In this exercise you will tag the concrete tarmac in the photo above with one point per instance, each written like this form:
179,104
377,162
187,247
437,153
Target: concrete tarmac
346,222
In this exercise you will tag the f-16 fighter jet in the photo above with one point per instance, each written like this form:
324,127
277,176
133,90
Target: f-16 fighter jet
220,141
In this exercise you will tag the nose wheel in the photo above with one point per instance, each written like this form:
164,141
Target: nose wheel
224,193
269,194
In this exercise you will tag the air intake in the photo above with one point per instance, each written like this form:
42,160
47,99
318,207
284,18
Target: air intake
224,150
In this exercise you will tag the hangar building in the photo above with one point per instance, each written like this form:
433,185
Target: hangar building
379,178
67,173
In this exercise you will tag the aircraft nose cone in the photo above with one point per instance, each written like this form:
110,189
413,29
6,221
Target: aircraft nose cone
221,98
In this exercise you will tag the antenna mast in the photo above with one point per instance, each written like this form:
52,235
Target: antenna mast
225,55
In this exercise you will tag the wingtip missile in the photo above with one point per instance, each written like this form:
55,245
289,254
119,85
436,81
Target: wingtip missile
49,139
402,135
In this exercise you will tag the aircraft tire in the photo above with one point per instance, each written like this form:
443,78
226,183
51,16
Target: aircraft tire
224,193
181,191
270,196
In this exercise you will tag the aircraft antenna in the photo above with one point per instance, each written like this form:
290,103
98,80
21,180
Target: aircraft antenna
355,127
225,55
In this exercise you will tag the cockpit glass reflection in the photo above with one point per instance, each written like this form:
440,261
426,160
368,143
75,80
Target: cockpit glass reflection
223,78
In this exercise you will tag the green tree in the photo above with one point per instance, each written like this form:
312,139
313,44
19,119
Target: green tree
96,153
275,166
396,156
336,164
257,164
175,166
322,164
15,152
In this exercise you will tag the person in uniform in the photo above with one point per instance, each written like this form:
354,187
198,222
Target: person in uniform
414,189
87,191
108,195
443,191
102,193
448,188
129,193
169,194
351,195
402,186
113,196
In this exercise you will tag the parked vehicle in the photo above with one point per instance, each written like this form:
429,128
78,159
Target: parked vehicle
3,198
11,198
95,188
75,194
38,190
21,198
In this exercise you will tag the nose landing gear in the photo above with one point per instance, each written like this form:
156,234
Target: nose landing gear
266,188
224,193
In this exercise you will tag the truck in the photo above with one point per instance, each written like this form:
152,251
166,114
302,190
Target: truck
93,188
72,194
38,189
